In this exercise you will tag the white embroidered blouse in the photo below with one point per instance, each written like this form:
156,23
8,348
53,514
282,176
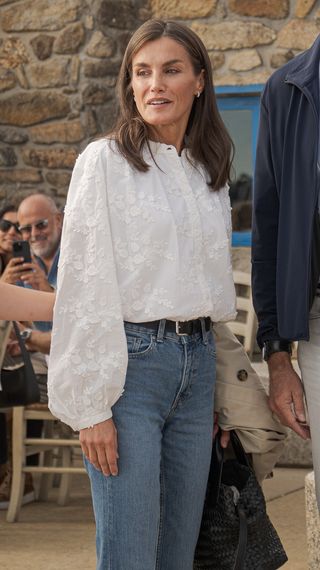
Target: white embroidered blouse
135,247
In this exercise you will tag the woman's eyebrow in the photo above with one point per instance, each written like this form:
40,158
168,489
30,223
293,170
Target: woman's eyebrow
169,62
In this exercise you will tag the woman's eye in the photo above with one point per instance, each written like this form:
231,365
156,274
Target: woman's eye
142,72
172,70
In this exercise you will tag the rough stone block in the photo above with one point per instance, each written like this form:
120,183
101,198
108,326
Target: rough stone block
298,34
234,35
70,39
24,109
54,73
313,523
59,179
244,60
58,132
7,157
182,9
7,79
53,158
95,94
12,53
13,136
42,46
115,14
304,7
93,68
21,175
46,16
100,46
274,9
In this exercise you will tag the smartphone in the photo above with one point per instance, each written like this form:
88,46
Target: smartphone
21,248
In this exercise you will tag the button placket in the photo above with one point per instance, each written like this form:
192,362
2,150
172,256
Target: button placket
181,163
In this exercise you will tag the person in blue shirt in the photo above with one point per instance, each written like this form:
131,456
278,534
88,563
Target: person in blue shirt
40,223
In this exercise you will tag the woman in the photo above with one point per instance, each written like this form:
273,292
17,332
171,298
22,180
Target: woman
144,270
10,267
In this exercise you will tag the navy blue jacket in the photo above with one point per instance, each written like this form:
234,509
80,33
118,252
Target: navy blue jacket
286,236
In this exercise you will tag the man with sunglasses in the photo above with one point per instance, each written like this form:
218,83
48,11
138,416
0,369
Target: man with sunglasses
40,223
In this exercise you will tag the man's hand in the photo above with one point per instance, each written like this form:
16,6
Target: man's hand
13,271
286,394
34,276
39,341
100,446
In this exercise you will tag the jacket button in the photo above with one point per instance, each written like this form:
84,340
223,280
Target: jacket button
242,375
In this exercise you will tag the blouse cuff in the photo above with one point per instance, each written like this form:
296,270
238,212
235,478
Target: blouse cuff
93,420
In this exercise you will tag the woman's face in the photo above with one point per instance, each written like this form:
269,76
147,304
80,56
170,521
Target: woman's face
8,236
165,85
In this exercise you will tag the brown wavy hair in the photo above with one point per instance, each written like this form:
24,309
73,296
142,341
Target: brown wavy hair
207,137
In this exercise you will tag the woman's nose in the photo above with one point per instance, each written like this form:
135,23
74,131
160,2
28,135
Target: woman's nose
157,82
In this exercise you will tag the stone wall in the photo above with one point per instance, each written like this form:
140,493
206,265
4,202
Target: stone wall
59,61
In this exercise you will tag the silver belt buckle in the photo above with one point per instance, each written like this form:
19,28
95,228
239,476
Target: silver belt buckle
178,330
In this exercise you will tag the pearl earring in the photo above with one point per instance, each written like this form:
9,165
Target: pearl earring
198,94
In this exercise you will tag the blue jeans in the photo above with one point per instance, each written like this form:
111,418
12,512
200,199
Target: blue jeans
148,517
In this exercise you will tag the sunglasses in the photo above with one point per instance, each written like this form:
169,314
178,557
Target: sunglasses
6,225
40,225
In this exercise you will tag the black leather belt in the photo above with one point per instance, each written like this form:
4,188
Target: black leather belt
180,327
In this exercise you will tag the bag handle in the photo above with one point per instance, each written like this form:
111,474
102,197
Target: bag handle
217,460
243,538
239,452
22,346
214,483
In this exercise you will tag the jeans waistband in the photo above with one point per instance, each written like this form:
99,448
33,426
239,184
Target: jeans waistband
181,328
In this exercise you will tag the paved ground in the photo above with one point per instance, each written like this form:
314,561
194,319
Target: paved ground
286,508
49,537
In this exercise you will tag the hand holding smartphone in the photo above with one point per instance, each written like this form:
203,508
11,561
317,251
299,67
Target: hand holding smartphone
21,248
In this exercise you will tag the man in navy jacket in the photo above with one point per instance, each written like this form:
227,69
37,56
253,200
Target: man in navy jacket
286,240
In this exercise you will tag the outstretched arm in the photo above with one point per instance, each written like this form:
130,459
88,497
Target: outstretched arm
17,303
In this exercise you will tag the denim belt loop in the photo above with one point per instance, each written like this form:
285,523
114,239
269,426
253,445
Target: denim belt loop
203,331
161,329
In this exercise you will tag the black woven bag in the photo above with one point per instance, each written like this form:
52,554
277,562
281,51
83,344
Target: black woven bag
236,532
19,385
